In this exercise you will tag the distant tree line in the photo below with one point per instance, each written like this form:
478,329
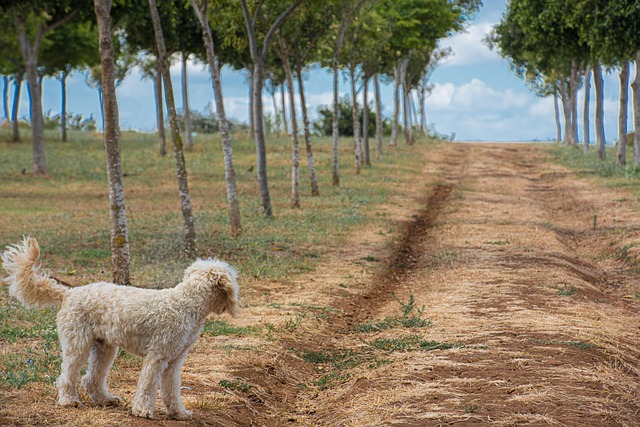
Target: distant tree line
556,46
272,41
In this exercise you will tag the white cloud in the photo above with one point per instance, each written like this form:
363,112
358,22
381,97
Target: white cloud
468,47
474,95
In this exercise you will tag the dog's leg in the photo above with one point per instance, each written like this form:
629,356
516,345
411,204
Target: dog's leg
170,390
95,380
145,398
74,354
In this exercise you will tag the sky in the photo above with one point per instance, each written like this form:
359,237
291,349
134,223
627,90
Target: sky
476,97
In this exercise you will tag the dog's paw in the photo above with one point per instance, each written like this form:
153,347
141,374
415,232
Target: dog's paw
69,402
142,412
181,415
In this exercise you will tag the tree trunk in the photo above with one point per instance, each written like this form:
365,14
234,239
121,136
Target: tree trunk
181,169
30,55
315,190
396,106
566,109
356,121
622,114
599,83
157,85
285,121
276,113
119,236
63,114
573,87
235,226
188,140
636,112
556,112
376,85
15,120
258,133
335,130
365,121
5,97
251,127
585,117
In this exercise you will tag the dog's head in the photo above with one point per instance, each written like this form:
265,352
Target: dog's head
220,281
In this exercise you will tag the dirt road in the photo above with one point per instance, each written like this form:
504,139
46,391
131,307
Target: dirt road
508,293
533,312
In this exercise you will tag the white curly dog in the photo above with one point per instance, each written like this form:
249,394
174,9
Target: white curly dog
94,320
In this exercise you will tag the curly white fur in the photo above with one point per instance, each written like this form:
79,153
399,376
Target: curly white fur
94,320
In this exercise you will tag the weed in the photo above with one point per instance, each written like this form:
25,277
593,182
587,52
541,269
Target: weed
371,258
406,320
219,327
236,384
498,242
470,409
410,343
566,290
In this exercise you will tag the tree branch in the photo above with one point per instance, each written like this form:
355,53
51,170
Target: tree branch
250,29
61,22
254,22
281,18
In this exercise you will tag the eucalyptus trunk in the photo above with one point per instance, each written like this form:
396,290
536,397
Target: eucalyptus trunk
365,121
188,140
63,114
586,115
235,226
15,108
285,121
573,87
622,114
556,114
356,122
157,85
566,109
5,97
120,255
636,112
315,190
276,113
396,106
30,55
258,134
181,168
376,85
599,85
335,130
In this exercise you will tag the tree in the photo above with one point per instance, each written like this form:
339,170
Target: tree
119,235
200,8
33,21
181,169
258,58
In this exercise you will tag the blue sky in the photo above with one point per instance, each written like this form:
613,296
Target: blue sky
476,96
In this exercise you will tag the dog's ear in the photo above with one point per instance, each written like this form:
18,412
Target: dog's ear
228,285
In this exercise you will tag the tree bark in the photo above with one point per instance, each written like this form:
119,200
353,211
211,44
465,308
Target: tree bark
283,54
396,105
365,121
181,169
157,85
622,114
5,97
566,109
406,113
585,117
120,254
573,87
15,120
556,112
599,83
285,121
356,121
276,113
188,140
376,85
30,53
315,190
335,129
235,227
636,112
63,114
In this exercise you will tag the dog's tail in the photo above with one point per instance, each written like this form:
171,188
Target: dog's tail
27,282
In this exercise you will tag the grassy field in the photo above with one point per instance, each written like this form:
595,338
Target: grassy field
68,213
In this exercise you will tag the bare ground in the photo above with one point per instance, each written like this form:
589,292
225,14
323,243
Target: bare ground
526,271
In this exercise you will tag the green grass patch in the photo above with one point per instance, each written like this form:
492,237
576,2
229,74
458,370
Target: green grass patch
411,343
411,317
566,290
219,327
236,385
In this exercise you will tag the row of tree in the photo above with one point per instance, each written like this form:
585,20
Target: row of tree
557,45
275,40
